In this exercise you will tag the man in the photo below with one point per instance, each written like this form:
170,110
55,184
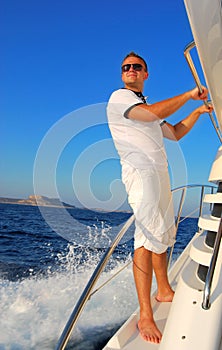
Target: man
138,130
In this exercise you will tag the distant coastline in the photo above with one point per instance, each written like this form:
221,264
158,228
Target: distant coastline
36,201
43,201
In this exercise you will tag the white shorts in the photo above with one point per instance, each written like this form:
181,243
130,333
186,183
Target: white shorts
150,197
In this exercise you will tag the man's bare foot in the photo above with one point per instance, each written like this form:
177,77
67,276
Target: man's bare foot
168,297
149,331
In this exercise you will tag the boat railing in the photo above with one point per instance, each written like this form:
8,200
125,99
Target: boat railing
183,190
87,293
210,273
190,62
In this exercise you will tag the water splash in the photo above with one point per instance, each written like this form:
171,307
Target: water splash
35,309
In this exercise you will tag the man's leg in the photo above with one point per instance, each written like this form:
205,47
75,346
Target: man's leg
164,291
142,269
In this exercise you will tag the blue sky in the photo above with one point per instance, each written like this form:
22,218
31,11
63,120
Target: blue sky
62,58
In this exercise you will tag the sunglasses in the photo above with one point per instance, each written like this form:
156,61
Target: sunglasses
136,66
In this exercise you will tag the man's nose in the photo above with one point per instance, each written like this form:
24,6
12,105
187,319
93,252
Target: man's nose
131,68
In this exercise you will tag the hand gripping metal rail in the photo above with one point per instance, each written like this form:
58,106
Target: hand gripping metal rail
187,55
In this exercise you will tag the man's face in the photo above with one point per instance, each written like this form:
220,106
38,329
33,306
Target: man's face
134,76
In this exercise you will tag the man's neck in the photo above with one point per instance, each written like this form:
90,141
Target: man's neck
134,87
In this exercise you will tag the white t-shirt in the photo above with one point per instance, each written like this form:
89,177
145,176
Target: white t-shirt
139,144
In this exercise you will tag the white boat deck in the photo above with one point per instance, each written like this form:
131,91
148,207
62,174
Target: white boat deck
128,336
135,341
176,320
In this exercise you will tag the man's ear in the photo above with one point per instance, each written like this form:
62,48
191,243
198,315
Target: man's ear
146,75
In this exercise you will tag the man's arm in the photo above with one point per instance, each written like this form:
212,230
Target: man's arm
164,109
177,131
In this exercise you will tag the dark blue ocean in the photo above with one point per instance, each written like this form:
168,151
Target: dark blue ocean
43,273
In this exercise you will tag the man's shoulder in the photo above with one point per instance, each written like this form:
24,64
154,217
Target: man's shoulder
119,94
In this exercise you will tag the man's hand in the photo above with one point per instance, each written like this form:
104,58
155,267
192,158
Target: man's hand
195,93
205,108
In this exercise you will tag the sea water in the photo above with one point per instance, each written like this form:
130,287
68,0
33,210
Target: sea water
42,276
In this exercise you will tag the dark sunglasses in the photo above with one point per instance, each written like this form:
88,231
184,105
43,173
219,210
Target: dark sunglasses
136,66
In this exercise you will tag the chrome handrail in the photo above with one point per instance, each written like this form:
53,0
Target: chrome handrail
64,338
182,198
177,221
86,293
187,50
211,269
